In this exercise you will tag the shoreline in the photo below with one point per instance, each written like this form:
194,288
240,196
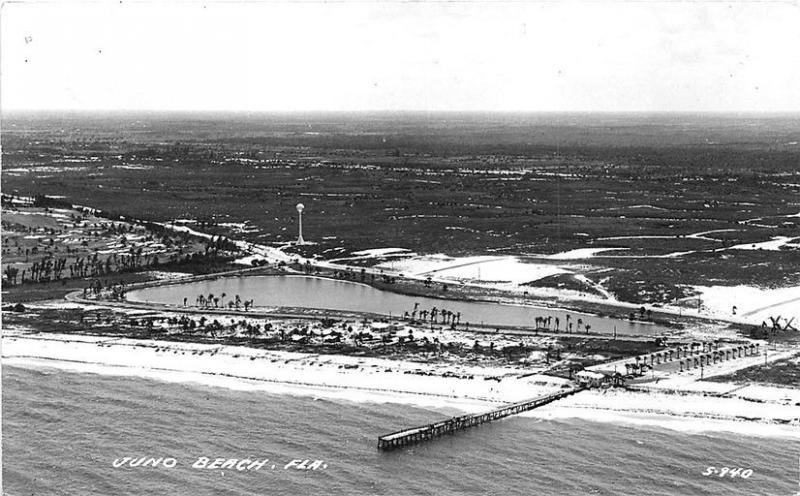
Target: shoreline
672,328
372,380
671,319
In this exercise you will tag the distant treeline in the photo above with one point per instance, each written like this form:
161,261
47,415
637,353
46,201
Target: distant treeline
41,201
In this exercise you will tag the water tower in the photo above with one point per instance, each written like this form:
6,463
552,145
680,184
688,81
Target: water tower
300,208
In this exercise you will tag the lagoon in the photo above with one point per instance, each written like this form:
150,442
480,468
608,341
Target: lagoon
300,291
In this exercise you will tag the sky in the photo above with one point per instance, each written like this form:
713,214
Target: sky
428,56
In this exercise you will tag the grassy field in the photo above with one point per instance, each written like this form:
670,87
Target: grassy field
456,184
780,373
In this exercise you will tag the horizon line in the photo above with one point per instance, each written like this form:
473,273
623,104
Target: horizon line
395,111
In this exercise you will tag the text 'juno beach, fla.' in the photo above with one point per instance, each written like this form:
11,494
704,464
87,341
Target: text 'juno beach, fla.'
210,463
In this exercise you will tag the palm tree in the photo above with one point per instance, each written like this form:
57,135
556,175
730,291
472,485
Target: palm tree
252,332
11,273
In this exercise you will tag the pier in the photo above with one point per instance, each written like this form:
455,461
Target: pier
451,425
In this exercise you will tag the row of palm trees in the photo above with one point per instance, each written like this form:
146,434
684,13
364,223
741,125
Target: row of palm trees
546,323
51,268
213,301
454,318
446,316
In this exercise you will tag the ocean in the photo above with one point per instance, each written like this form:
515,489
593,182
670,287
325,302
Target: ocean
63,432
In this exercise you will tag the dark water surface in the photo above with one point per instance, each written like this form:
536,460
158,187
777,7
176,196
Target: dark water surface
63,430
315,292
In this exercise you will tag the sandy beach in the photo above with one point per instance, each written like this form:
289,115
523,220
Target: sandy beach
753,410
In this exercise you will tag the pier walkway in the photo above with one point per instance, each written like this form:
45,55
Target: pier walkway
451,425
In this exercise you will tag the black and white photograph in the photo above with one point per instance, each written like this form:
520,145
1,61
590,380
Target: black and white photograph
400,248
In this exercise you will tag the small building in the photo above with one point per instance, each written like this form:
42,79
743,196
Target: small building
593,379
386,327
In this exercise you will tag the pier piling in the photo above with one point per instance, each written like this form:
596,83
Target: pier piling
451,425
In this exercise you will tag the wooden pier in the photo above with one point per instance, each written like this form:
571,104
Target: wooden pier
451,425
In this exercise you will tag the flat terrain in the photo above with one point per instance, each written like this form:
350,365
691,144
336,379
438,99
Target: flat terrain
394,340
680,194
49,252
635,216
778,373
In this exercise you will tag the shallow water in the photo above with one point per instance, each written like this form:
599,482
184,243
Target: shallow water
63,430
315,292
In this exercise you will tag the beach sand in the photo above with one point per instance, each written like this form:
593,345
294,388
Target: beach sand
763,411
